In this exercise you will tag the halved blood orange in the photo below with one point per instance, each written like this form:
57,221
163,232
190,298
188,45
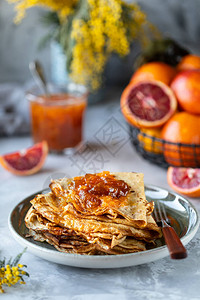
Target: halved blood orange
184,180
148,104
27,161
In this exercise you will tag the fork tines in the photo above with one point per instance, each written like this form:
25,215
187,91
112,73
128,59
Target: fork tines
173,242
159,213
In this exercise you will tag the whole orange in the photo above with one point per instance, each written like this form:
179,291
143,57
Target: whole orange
182,128
189,62
186,87
147,141
154,71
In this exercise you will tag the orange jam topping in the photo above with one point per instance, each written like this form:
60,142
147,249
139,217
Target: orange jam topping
91,187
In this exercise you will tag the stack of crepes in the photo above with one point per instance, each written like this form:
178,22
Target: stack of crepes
102,213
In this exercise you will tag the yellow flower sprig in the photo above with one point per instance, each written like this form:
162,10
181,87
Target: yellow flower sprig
62,7
91,30
12,272
111,27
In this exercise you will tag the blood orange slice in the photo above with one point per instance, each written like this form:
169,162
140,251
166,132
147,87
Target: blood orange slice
148,104
184,180
27,161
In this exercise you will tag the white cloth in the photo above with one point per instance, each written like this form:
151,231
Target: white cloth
14,109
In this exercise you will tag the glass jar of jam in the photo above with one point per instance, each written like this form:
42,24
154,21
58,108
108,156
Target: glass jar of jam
58,117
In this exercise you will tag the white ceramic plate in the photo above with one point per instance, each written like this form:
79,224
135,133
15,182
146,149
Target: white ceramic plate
184,218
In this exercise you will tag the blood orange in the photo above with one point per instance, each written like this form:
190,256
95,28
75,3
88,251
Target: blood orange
147,139
187,90
184,180
189,62
27,161
148,104
154,71
183,134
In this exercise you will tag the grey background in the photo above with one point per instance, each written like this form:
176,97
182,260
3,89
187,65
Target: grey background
19,43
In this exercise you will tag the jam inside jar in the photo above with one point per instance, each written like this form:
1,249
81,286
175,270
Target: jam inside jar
58,119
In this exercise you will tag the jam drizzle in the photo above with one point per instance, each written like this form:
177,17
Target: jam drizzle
91,187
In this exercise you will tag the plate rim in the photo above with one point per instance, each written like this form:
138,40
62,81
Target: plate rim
185,239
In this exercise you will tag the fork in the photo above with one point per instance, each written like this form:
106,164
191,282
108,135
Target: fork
173,242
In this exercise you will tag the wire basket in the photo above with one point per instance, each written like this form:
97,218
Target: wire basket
163,153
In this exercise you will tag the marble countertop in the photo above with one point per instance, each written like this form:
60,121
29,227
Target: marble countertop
107,147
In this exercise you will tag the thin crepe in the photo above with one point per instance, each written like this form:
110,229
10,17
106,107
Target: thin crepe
69,241
114,218
134,207
49,207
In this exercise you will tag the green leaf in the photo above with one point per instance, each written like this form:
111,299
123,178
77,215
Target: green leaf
2,263
26,274
18,257
51,21
45,41
9,261
50,18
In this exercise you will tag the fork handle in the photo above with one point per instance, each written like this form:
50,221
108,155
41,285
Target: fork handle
173,242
